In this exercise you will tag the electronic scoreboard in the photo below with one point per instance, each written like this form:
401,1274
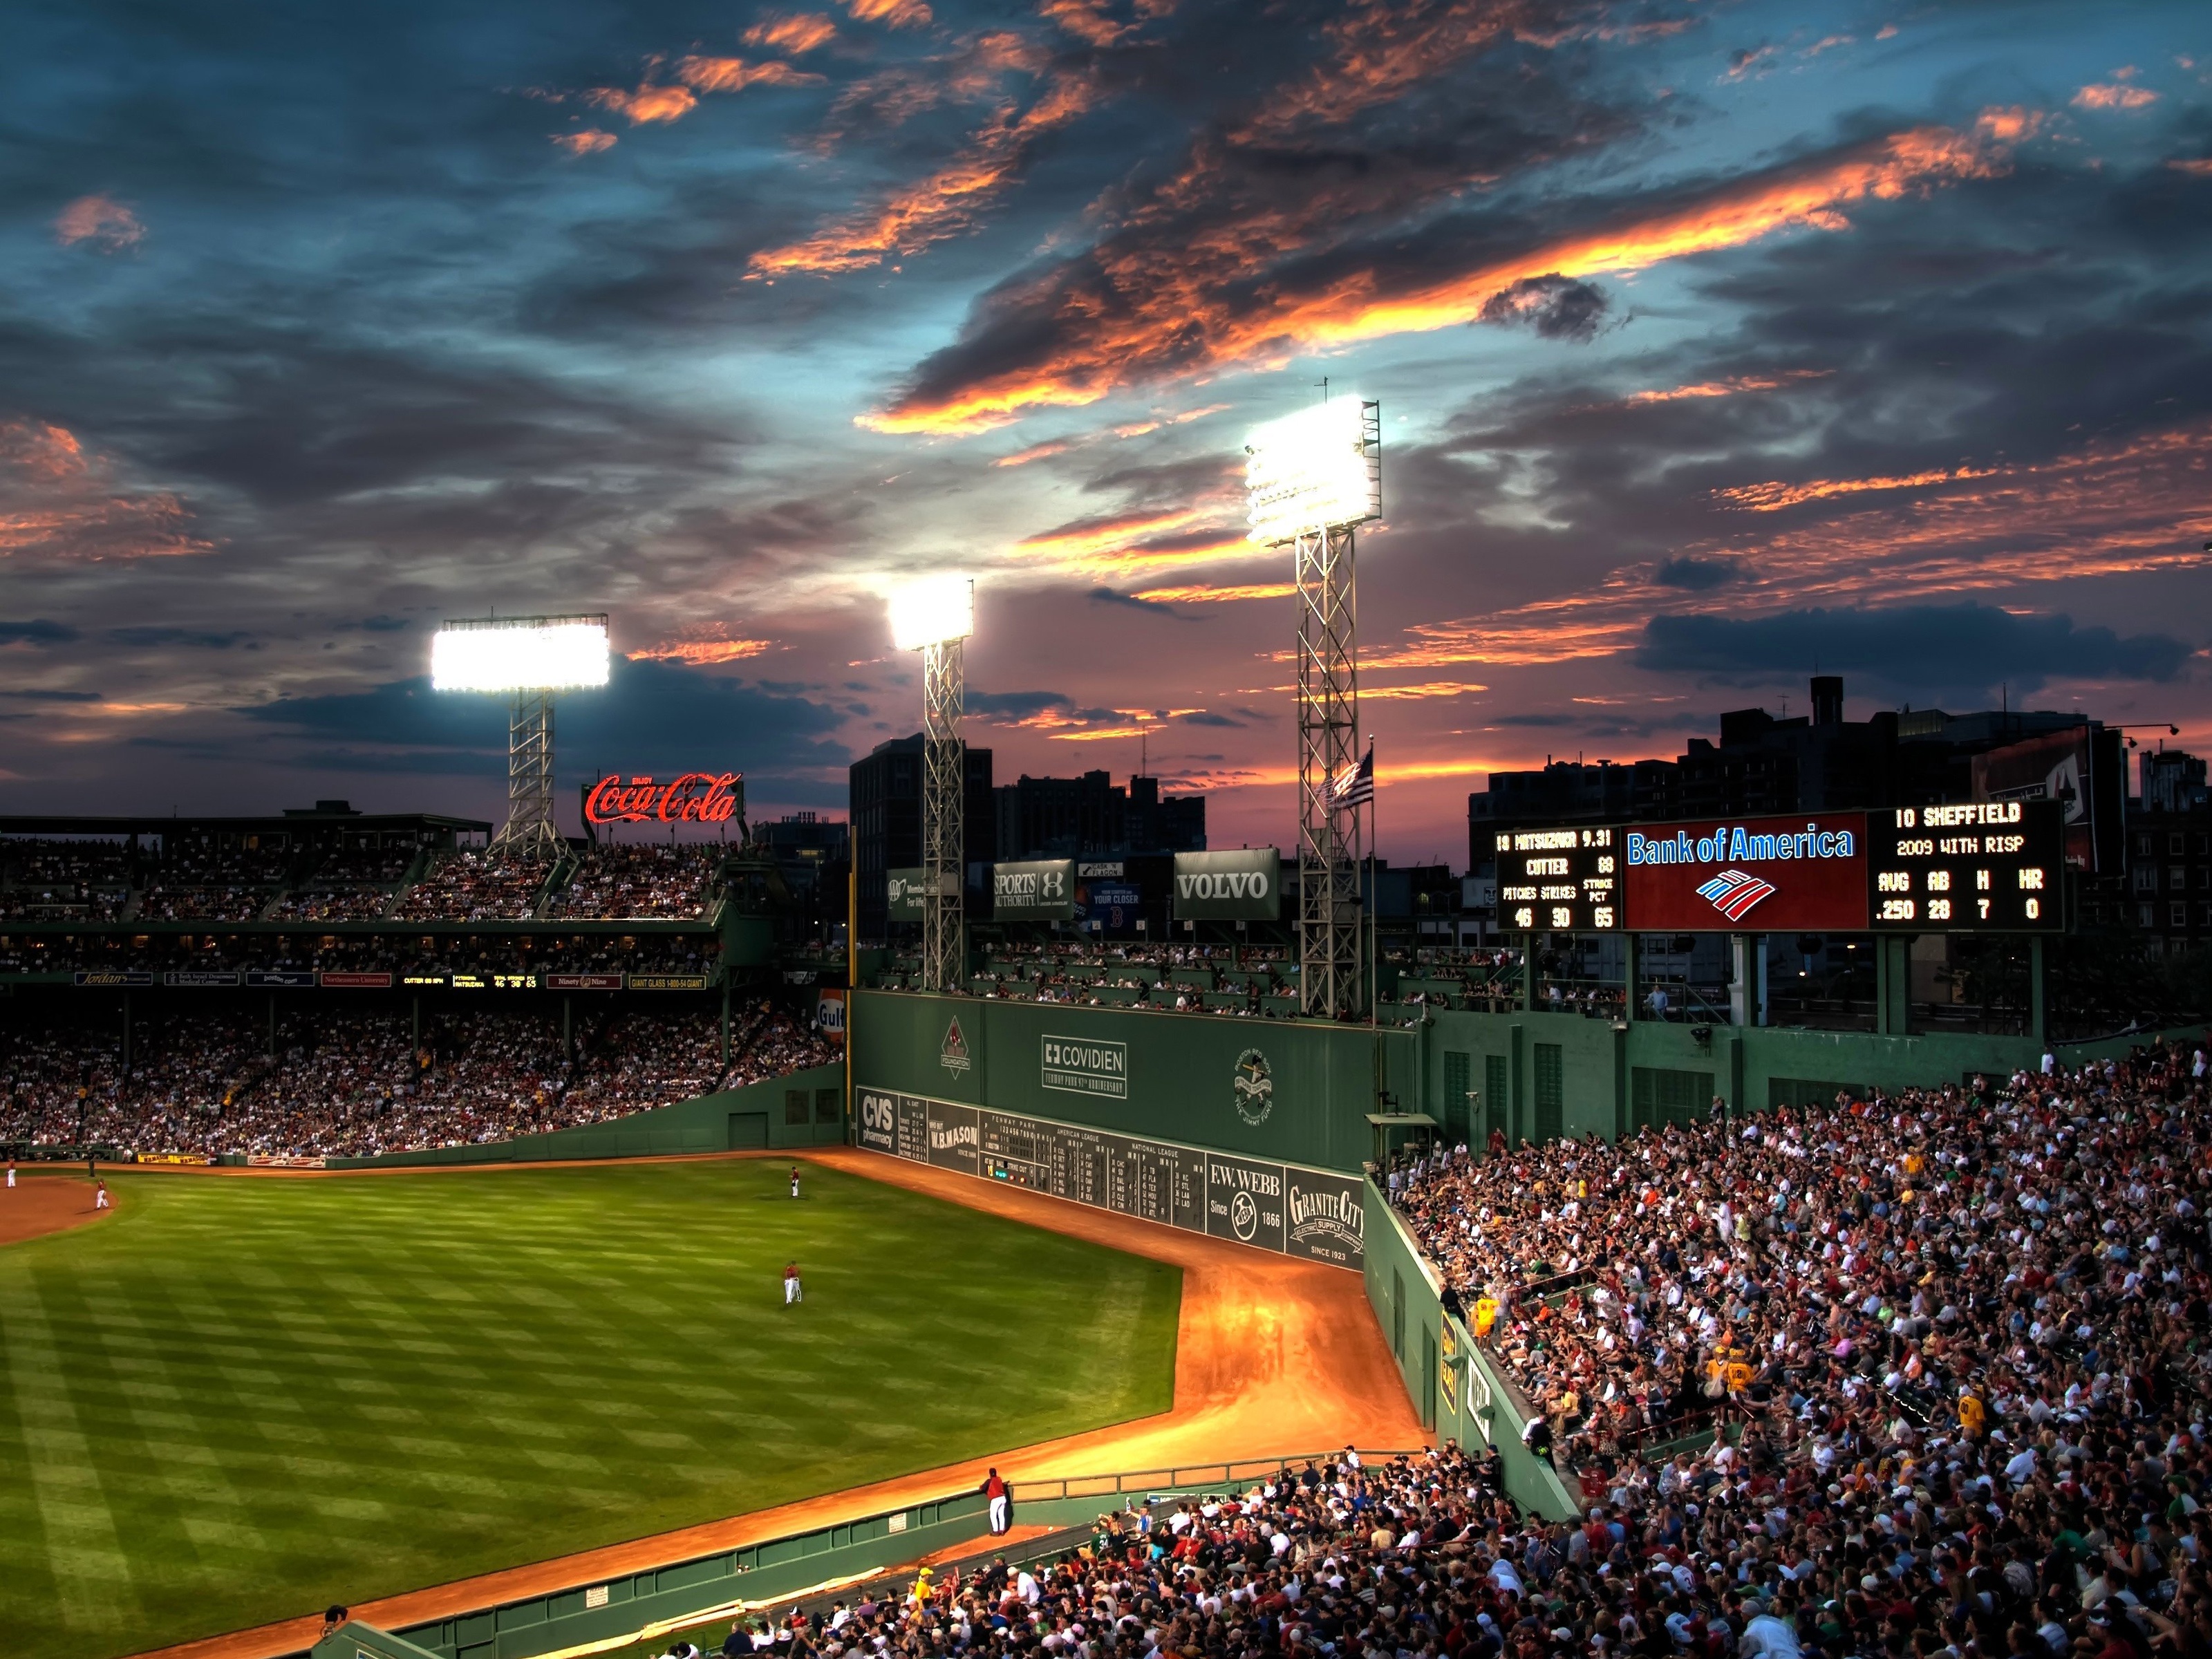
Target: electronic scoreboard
1559,881
1979,867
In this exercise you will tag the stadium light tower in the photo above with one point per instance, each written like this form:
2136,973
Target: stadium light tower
1309,479
934,615
531,658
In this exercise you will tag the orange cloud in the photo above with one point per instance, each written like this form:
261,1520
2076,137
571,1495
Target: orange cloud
1157,315
1728,388
647,103
1203,594
1772,497
699,653
1088,537
1035,453
735,74
101,220
56,501
1426,688
797,33
893,14
590,142
943,204
2114,96
2199,166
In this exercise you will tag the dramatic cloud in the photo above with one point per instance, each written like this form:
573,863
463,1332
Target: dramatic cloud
1130,311
589,142
797,34
1960,647
58,501
1555,307
101,221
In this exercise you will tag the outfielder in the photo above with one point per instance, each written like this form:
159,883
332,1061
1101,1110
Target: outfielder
794,1180
1001,1504
792,1293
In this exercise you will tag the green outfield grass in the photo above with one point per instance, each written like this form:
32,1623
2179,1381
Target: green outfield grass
241,1400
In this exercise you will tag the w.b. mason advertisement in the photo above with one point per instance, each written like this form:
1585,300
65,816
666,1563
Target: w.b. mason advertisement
1310,1213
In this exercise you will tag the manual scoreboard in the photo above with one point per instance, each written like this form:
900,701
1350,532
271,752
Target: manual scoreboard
1559,881
1977,867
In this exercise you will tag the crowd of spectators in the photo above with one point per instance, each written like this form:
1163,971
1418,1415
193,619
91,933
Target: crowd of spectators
1955,1344
358,1082
666,881
48,880
473,885
578,953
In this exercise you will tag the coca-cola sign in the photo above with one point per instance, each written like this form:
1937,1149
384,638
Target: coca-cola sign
689,798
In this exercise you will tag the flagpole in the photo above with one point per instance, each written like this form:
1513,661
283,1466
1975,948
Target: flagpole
1375,905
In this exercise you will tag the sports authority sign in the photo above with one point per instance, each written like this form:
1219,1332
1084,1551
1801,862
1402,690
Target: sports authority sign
1316,1215
1042,889
688,798
1770,875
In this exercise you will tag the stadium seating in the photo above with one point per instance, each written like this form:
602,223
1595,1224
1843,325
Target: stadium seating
343,1083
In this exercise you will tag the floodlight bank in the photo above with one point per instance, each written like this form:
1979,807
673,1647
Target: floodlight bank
528,654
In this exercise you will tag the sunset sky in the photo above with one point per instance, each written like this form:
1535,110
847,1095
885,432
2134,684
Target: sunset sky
1716,344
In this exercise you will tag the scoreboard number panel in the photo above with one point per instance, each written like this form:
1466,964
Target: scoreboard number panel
1559,881
1977,867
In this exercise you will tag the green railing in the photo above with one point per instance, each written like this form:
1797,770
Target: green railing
642,1605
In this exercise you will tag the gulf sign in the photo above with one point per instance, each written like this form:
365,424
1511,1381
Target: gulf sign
1748,876
688,798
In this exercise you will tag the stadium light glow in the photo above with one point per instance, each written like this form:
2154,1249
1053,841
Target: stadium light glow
522,653
1312,470
930,609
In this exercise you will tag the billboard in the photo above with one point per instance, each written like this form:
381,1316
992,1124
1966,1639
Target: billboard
1041,890
1771,875
904,890
829,1012
1245,884
2081,770
688,798
1561,881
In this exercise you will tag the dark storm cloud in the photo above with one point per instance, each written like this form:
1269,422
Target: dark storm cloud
197,639
650,715
1954,646
1694,575
1207,717
38,631
1556,307
1108,596
51,697
1016,705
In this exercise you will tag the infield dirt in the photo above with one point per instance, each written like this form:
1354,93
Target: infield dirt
47,1203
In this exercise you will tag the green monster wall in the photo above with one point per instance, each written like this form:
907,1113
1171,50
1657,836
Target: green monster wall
1306,1101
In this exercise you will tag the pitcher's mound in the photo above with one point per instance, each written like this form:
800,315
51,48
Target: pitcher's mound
42,1204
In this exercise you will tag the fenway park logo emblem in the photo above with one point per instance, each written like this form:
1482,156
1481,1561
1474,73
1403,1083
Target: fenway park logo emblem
1254,1085
953,1054
1733,893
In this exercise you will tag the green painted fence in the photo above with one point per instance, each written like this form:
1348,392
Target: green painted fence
806,1109
1455,1390
1181,1079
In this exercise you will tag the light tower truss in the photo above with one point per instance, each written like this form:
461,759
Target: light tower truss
944,808
529,831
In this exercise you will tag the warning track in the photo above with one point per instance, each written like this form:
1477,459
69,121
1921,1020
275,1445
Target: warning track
1272,1355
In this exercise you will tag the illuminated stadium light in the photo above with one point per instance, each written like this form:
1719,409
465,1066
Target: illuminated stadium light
520,653
1320,469
931,609
529,658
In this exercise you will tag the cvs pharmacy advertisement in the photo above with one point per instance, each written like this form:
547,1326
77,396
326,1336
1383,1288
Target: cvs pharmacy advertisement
1796,875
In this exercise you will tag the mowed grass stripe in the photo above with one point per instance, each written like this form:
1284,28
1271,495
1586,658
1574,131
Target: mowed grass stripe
289,1393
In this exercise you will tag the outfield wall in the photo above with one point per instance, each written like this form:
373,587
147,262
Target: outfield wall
1283,1091
806,1109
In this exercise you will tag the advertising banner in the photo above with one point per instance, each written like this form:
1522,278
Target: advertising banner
1245,884
210,977
583,981
108,976
668,981
1114,905
1775,875
1080,1066
1042,890
350,981
688,798
2062,767
282,979
829,1012
1314,1214
904,891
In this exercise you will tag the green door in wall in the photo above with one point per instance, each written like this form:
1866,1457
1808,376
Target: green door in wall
1459,1079
1497,1099
1660,1096
1551,1092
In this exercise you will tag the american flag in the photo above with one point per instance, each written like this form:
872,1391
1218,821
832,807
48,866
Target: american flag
1355,785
